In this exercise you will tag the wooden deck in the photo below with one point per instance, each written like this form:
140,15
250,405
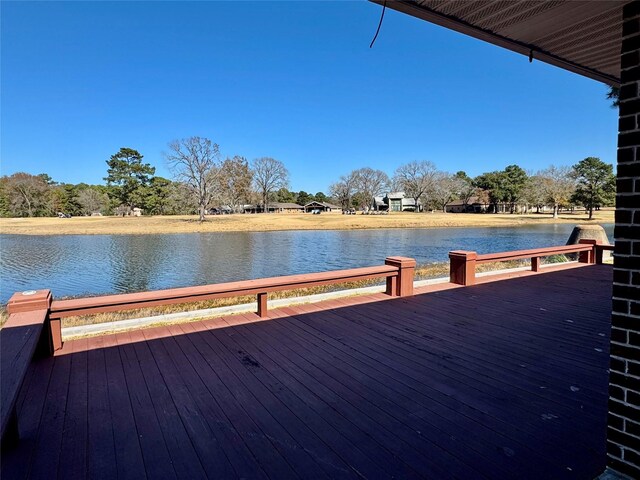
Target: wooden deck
506,379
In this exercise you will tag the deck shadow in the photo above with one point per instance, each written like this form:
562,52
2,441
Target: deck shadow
500,380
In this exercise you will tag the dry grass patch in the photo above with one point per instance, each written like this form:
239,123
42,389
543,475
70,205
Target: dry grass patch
279,221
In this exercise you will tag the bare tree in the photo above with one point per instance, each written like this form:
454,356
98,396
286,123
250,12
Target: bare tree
195,162
415,179
235,181
370,183
92,200
445,188
269,175
557,184
343,190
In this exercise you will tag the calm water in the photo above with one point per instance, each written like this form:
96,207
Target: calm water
94,264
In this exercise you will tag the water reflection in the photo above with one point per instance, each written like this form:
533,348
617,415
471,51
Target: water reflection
217,257
96,264
137,261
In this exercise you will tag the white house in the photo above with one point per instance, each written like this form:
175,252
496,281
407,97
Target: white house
396,202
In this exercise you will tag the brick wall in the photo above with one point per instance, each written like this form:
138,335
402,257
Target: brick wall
623,433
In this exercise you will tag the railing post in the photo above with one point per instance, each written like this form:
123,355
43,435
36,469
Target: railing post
403,285
535,264
262,305
588,256
462,270
598,248
33,300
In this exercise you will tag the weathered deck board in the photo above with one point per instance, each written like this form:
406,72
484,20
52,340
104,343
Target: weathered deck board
208,449
355,398
129,461
100,436
185,460
505,379
225,450
73,452
212,373
425,414
46,457
489,397
229,418
157,460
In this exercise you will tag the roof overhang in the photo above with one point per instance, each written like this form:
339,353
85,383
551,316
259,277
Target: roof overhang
583,37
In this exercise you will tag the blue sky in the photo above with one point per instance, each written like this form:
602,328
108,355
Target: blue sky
291,80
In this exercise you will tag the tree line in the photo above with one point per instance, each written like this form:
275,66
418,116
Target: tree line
590,183
202,180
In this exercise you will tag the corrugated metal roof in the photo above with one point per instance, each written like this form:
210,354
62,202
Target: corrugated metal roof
581,36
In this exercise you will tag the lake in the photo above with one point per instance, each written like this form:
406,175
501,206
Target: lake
72,265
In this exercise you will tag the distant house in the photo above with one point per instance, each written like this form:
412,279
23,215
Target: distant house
379,205
322,207
275,207
285,207
222,210
473,205
396,202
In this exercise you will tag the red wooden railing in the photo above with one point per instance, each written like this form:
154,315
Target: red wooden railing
462,268
34,323
34,317
398,271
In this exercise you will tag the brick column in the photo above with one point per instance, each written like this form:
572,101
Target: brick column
623,433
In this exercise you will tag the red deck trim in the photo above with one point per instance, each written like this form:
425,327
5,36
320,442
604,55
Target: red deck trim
534,252
109,303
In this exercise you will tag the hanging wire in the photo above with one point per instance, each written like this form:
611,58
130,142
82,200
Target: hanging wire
384,7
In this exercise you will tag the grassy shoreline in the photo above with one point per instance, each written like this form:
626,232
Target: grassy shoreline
280,222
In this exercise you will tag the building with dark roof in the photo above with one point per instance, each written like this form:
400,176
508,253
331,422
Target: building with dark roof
321,207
